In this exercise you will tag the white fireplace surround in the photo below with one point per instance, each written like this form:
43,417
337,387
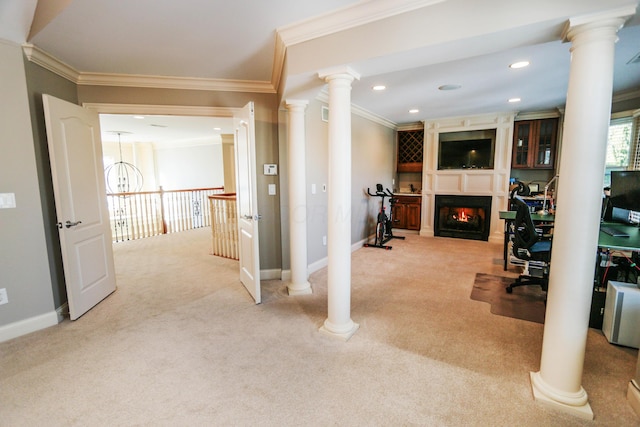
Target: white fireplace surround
470,182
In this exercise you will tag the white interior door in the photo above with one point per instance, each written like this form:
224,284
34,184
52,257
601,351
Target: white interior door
75,151
247,200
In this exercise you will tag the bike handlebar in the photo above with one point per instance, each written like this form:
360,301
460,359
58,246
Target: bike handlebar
385,193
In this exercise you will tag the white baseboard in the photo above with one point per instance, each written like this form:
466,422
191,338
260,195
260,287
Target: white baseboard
272,274
26,326
322,263
286,275
318,265
61,311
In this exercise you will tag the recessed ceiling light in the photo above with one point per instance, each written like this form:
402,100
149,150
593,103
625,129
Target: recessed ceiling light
217,129
515,100
449,87
519,64
379,87
138,117
414,110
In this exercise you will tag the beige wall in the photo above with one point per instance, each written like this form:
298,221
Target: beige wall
24,260
373,162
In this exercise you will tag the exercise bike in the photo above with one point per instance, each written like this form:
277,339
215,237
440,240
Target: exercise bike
384,223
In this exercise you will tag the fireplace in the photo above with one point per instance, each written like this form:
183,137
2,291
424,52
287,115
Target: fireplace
463,217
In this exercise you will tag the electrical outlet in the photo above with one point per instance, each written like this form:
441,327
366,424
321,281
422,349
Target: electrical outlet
3,296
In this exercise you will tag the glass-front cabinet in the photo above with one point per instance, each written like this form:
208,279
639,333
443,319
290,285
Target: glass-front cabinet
534,144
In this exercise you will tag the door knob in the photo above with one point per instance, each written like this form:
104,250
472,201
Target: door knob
70,224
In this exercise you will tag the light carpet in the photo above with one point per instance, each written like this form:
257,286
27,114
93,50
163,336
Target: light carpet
180,343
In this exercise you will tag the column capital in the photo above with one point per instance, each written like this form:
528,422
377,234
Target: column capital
296,103
614,18
337,72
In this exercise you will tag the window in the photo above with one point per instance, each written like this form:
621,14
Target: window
623,150
620,147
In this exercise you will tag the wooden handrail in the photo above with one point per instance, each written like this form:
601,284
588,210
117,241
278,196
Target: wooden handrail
150,213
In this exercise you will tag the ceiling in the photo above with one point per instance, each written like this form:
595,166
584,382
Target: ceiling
411,46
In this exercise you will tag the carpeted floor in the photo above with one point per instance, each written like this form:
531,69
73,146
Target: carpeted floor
525,303
180,343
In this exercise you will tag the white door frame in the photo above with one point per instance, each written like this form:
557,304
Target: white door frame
175,110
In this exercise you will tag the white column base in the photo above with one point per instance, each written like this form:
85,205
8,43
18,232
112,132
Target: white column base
343,333
299,289
633,396
544,394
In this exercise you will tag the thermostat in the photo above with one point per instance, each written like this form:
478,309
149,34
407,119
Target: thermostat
270,169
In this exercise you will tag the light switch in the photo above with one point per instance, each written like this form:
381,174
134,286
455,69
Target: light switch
7,200
272,189
313,189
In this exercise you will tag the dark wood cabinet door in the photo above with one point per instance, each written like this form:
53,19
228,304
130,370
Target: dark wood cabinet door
547,131
413,216
522,144
406,212
534,144
399,215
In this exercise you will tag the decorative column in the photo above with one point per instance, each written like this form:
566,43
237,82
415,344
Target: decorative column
575,239
299,284
339,323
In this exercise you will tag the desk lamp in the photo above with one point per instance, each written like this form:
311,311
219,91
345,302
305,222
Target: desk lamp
544,210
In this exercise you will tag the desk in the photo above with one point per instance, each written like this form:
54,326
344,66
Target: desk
606,243
631,243
509,217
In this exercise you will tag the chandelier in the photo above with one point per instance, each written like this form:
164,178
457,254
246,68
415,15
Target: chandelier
121,176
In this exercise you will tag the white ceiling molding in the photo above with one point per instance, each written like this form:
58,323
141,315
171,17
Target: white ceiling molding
162,110
625,96
323,96
48,62
164,82
622,12
348,17
278,62
537,115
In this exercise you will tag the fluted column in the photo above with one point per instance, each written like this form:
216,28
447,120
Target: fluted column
575,239
299,283
339,323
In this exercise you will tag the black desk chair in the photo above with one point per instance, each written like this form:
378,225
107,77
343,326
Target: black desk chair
528,246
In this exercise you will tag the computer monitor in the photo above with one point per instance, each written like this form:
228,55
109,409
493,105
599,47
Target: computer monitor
625,190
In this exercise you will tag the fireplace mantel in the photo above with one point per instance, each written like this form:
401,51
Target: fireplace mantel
471,182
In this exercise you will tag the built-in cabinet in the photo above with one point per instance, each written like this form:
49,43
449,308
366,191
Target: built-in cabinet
534,144
410,149
406,212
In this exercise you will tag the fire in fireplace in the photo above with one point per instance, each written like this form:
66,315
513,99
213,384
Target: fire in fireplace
464,217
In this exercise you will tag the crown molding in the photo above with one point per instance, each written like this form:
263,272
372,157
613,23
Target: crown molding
167,82
348,17
49,62
411,126
279,55
323,96
627,95
538,115
162,110
40,57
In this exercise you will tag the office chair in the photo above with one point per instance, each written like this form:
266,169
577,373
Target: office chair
528,246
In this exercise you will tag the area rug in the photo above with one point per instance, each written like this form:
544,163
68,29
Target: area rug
525,303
